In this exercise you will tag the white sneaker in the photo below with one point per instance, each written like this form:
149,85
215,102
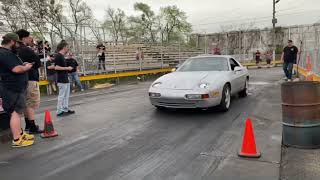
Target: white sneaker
285,78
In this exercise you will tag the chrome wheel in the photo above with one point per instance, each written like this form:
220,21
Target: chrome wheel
247,86
228,98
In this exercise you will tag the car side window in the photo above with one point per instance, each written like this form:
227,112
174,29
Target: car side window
233,64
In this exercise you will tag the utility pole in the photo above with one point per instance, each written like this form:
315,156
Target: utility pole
274,22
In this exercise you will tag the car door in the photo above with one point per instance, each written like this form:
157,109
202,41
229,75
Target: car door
237,76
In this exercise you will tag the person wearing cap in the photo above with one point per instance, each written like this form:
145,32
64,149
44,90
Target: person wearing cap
14,80
289,57
26,54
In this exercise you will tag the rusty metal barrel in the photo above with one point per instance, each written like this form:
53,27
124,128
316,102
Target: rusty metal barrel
301,114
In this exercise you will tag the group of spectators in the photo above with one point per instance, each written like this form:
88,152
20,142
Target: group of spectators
19,77
268,57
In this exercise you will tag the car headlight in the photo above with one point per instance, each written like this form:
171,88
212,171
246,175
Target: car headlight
154,95
204,85
157,84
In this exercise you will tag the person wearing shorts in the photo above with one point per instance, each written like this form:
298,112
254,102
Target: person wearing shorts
14,80
27,55
258,58
269,58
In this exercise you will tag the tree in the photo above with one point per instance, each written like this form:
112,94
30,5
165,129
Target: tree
173,24
55,18
10,11
81,14
146,22
115,23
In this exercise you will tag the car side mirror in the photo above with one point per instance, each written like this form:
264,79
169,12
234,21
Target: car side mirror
237,69
176,67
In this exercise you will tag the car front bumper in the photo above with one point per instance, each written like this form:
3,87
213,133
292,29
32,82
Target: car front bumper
176,99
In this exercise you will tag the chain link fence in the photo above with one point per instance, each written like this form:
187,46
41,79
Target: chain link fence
244,43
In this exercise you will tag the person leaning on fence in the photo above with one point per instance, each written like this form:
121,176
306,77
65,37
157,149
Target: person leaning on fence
289,57
101,56
63,80
14,79
73,75
258,58
26,54
51,75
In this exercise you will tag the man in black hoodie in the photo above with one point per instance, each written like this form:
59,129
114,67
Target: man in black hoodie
27,55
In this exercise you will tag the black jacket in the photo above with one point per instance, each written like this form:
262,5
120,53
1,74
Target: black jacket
26,54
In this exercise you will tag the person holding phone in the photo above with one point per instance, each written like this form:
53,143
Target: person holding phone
27,55
14,80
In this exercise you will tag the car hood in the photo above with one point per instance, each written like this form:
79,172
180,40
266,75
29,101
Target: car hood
189,80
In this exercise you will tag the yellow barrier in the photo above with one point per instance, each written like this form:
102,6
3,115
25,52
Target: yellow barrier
137,73
262,63
304,73
117,75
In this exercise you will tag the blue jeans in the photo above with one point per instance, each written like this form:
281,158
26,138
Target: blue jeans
74,77
287,68
63,98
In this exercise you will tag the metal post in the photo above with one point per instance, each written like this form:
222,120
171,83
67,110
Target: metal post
316,50
161,53
44,59
240,43
227,51
140,60
274,21
260,43
179,52
205,43
244,45
114,59
104,35
289,32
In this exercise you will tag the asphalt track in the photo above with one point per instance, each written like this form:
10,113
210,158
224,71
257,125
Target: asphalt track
117,134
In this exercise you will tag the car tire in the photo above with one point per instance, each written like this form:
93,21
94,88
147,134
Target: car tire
160,108
226,99
244,92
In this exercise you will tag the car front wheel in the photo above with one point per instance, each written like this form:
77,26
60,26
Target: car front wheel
245,91
226,98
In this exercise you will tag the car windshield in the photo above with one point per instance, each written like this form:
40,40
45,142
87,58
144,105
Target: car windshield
205,64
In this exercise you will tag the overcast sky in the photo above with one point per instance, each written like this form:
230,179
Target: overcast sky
209,15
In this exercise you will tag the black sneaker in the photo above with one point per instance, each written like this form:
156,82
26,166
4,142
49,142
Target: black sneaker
70,112
61,114
35,130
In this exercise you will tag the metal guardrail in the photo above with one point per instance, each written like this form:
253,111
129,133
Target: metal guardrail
117,75
137,73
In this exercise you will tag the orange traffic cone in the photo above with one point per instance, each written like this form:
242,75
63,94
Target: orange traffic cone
309,68
249,149
48,127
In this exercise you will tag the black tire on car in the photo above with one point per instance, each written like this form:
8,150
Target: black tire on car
160,108
244,92
226,98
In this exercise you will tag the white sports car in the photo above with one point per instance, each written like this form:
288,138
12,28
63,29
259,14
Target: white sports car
201,82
